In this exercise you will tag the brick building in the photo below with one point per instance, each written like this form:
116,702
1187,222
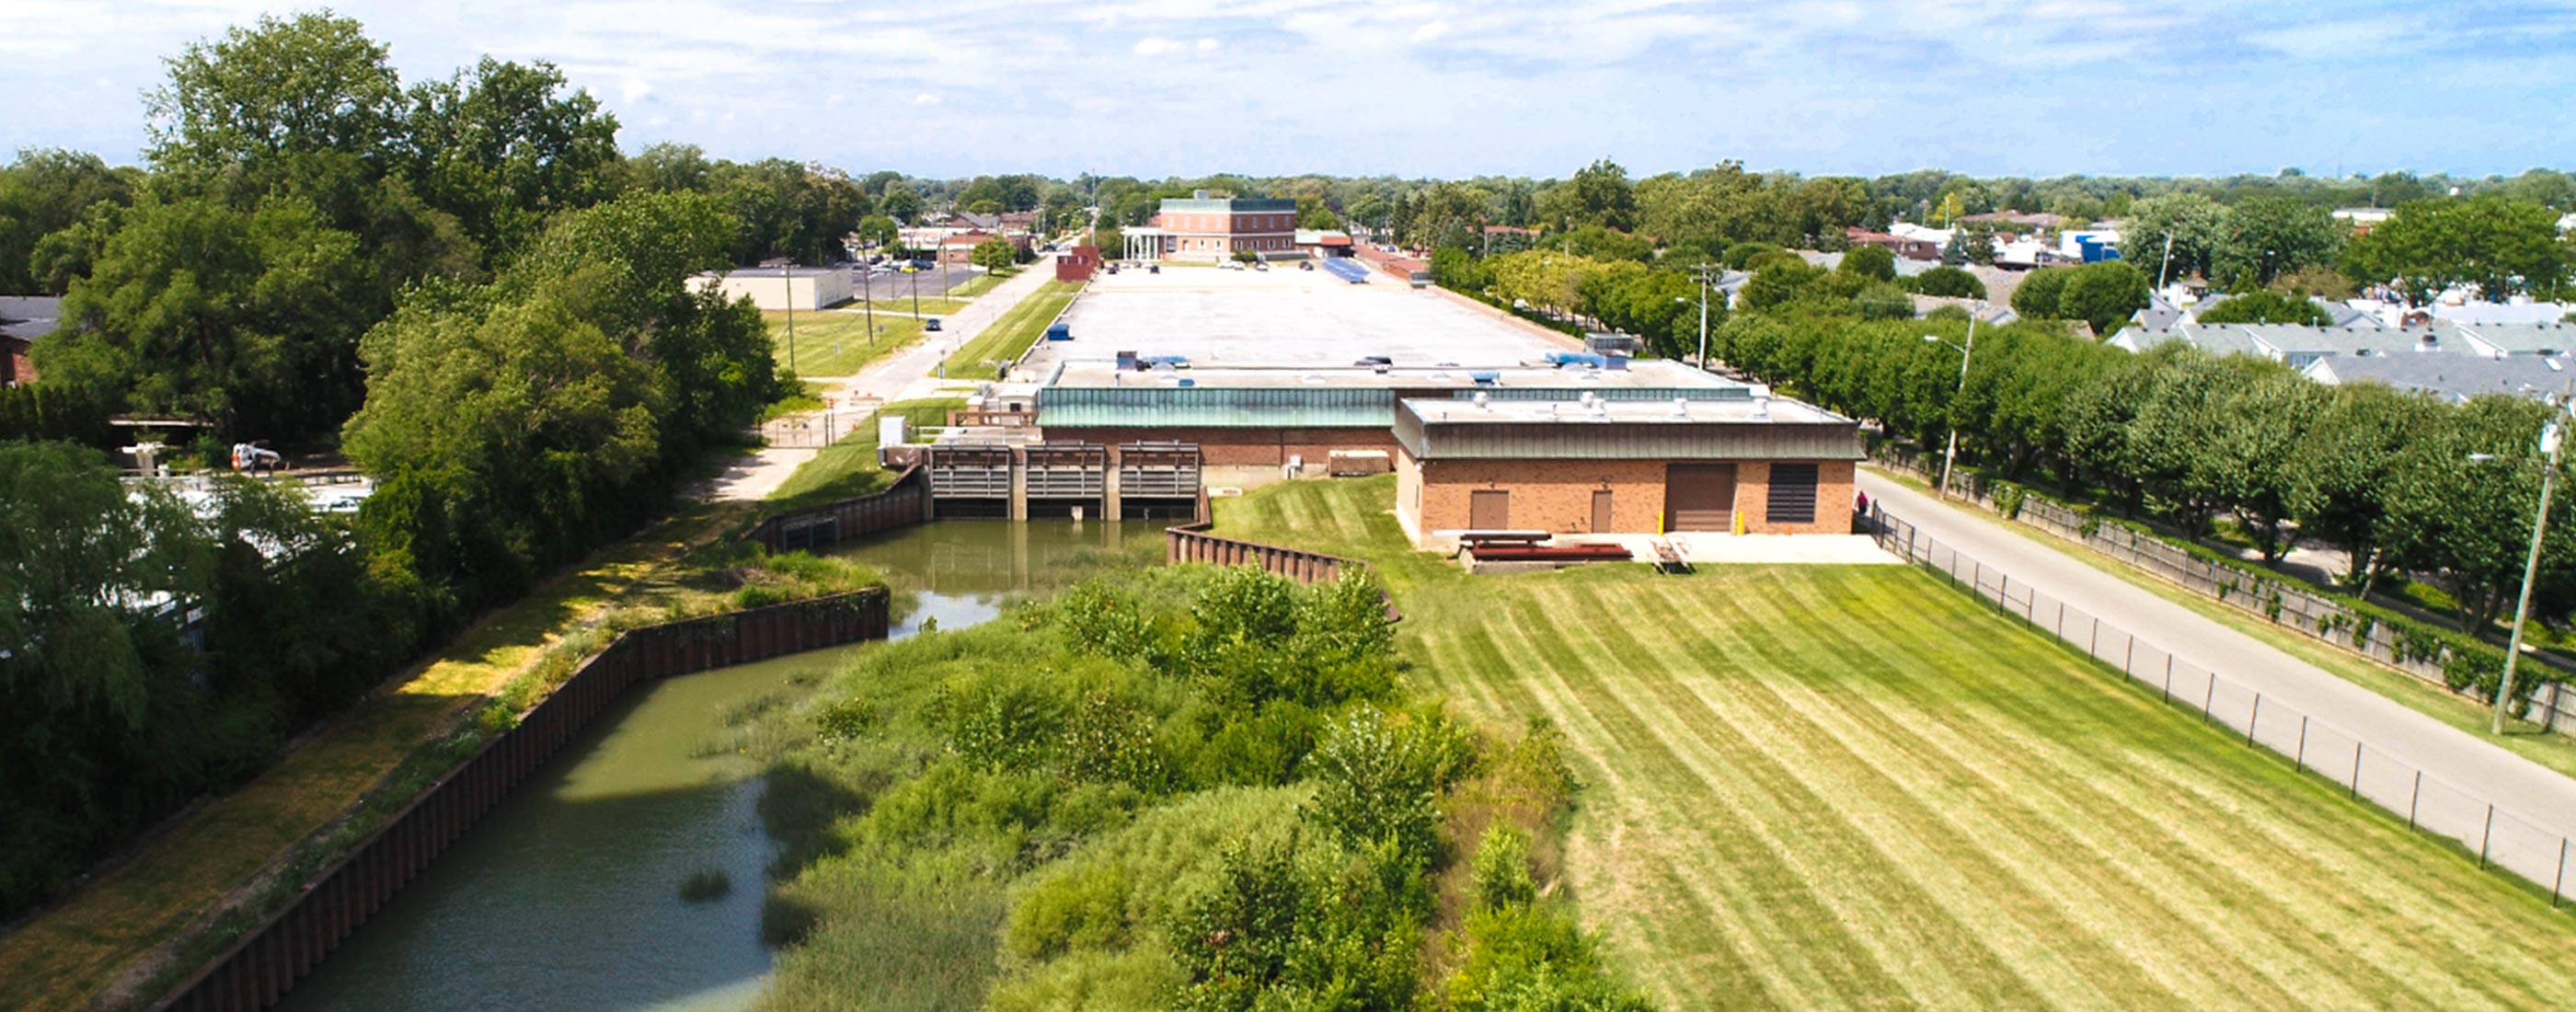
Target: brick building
1214,228
1752,464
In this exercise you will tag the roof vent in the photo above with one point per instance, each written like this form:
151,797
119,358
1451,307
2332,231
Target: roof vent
1681,407
1762,406
2553,365
1586,398
1312,379
1484,402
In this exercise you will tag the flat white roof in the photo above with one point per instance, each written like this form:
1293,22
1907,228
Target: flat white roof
1446,411
1287,316
1651,373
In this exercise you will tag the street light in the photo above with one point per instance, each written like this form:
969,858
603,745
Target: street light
1966,352
2550,443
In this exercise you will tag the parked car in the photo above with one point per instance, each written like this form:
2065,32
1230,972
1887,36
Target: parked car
1305,265
931,323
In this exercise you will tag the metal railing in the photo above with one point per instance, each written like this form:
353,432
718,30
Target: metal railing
2499,837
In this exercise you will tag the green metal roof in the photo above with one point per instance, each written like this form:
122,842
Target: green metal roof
1161,406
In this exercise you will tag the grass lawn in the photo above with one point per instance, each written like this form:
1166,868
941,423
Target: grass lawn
1841,787
930,305
979,284
2555,751
849,468
67,957
835,343
1012,335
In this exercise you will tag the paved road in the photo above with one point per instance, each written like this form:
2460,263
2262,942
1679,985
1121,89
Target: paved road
905,375
2535,792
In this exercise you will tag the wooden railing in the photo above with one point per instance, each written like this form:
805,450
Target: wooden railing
260,967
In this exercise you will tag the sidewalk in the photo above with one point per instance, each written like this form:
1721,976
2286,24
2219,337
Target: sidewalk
2532,791
908,374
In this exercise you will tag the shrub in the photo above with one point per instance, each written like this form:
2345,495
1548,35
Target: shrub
1502,873
1950,282
1377,784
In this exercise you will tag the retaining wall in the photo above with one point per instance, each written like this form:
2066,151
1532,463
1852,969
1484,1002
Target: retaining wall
264,964
902,504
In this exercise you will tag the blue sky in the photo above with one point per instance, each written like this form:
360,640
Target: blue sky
1167,87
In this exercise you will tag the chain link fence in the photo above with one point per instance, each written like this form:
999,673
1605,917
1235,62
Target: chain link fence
2498,837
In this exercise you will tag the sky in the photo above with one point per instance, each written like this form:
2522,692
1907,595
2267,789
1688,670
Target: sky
1158,88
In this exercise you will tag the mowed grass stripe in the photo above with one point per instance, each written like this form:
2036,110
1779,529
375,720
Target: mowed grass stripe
1812,949
2048,878
2227,841
1678,921
1947,950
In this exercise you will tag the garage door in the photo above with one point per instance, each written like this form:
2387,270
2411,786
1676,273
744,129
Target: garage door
1699,497
1489,510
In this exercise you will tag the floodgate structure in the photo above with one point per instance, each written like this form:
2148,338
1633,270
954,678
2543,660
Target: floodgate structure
1166,385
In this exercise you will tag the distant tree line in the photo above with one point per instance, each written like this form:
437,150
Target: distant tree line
2185,436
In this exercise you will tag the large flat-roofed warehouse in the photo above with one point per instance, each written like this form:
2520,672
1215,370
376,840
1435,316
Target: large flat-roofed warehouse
774,289
1741,461
1275,416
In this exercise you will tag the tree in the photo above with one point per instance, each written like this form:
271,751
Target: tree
2470,522
2198,227
878,230
1599,243
2036,297
995,254
2104,295
1599,194
249,319
1873,262
2271,236
668,166
502,147
1312,214
1950,282
2263,306
311,84
900,203
2340,480
1783,280
45,191
2496,246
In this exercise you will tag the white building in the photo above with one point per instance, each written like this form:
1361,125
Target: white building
776,288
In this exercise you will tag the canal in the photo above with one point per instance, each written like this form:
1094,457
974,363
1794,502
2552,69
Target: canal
569,895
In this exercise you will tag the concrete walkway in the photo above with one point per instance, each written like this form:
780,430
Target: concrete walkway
908,374
2534,792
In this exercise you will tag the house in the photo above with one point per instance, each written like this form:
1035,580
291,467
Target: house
1904,246
2452,378
24,320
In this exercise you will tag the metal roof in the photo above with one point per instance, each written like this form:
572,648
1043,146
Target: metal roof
28,317
1441,430
1158,406
1223,205
2451,377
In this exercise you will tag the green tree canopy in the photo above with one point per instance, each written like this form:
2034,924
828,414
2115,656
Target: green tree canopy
2496,246
45,191
501,147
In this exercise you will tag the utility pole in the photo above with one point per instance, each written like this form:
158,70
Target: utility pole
787,294
1706,275
867,298
1966,352
2167,265
2552,440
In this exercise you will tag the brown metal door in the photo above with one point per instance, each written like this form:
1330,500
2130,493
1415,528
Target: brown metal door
1601,511
1489,510
1699,497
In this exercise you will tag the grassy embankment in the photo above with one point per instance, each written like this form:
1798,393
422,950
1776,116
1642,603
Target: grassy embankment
1853,787
2523,738
980,283
849,468
1011,336
218,870
835,342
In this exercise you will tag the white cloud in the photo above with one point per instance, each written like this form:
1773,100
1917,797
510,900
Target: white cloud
1150,46
635,89
1428,32
924,98
1207,45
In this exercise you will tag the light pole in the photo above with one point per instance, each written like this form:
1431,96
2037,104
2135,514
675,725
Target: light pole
1706,275
1966,352
2551,441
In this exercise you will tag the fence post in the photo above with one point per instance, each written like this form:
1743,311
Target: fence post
2301,762
2414,798
2129,656
2486,837
2093,641
2168,676
2556,887
2253,718
2356,770
2209,697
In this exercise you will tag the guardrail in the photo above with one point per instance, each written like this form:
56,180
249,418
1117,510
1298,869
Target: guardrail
2500,838
264,964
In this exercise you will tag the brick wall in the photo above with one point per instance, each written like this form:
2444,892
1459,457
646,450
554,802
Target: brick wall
1556,495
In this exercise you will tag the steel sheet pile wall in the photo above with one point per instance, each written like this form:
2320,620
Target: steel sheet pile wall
2501,837
900,505
263,965
1190,542
2279,600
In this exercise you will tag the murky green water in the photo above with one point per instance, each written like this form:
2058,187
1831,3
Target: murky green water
567,896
